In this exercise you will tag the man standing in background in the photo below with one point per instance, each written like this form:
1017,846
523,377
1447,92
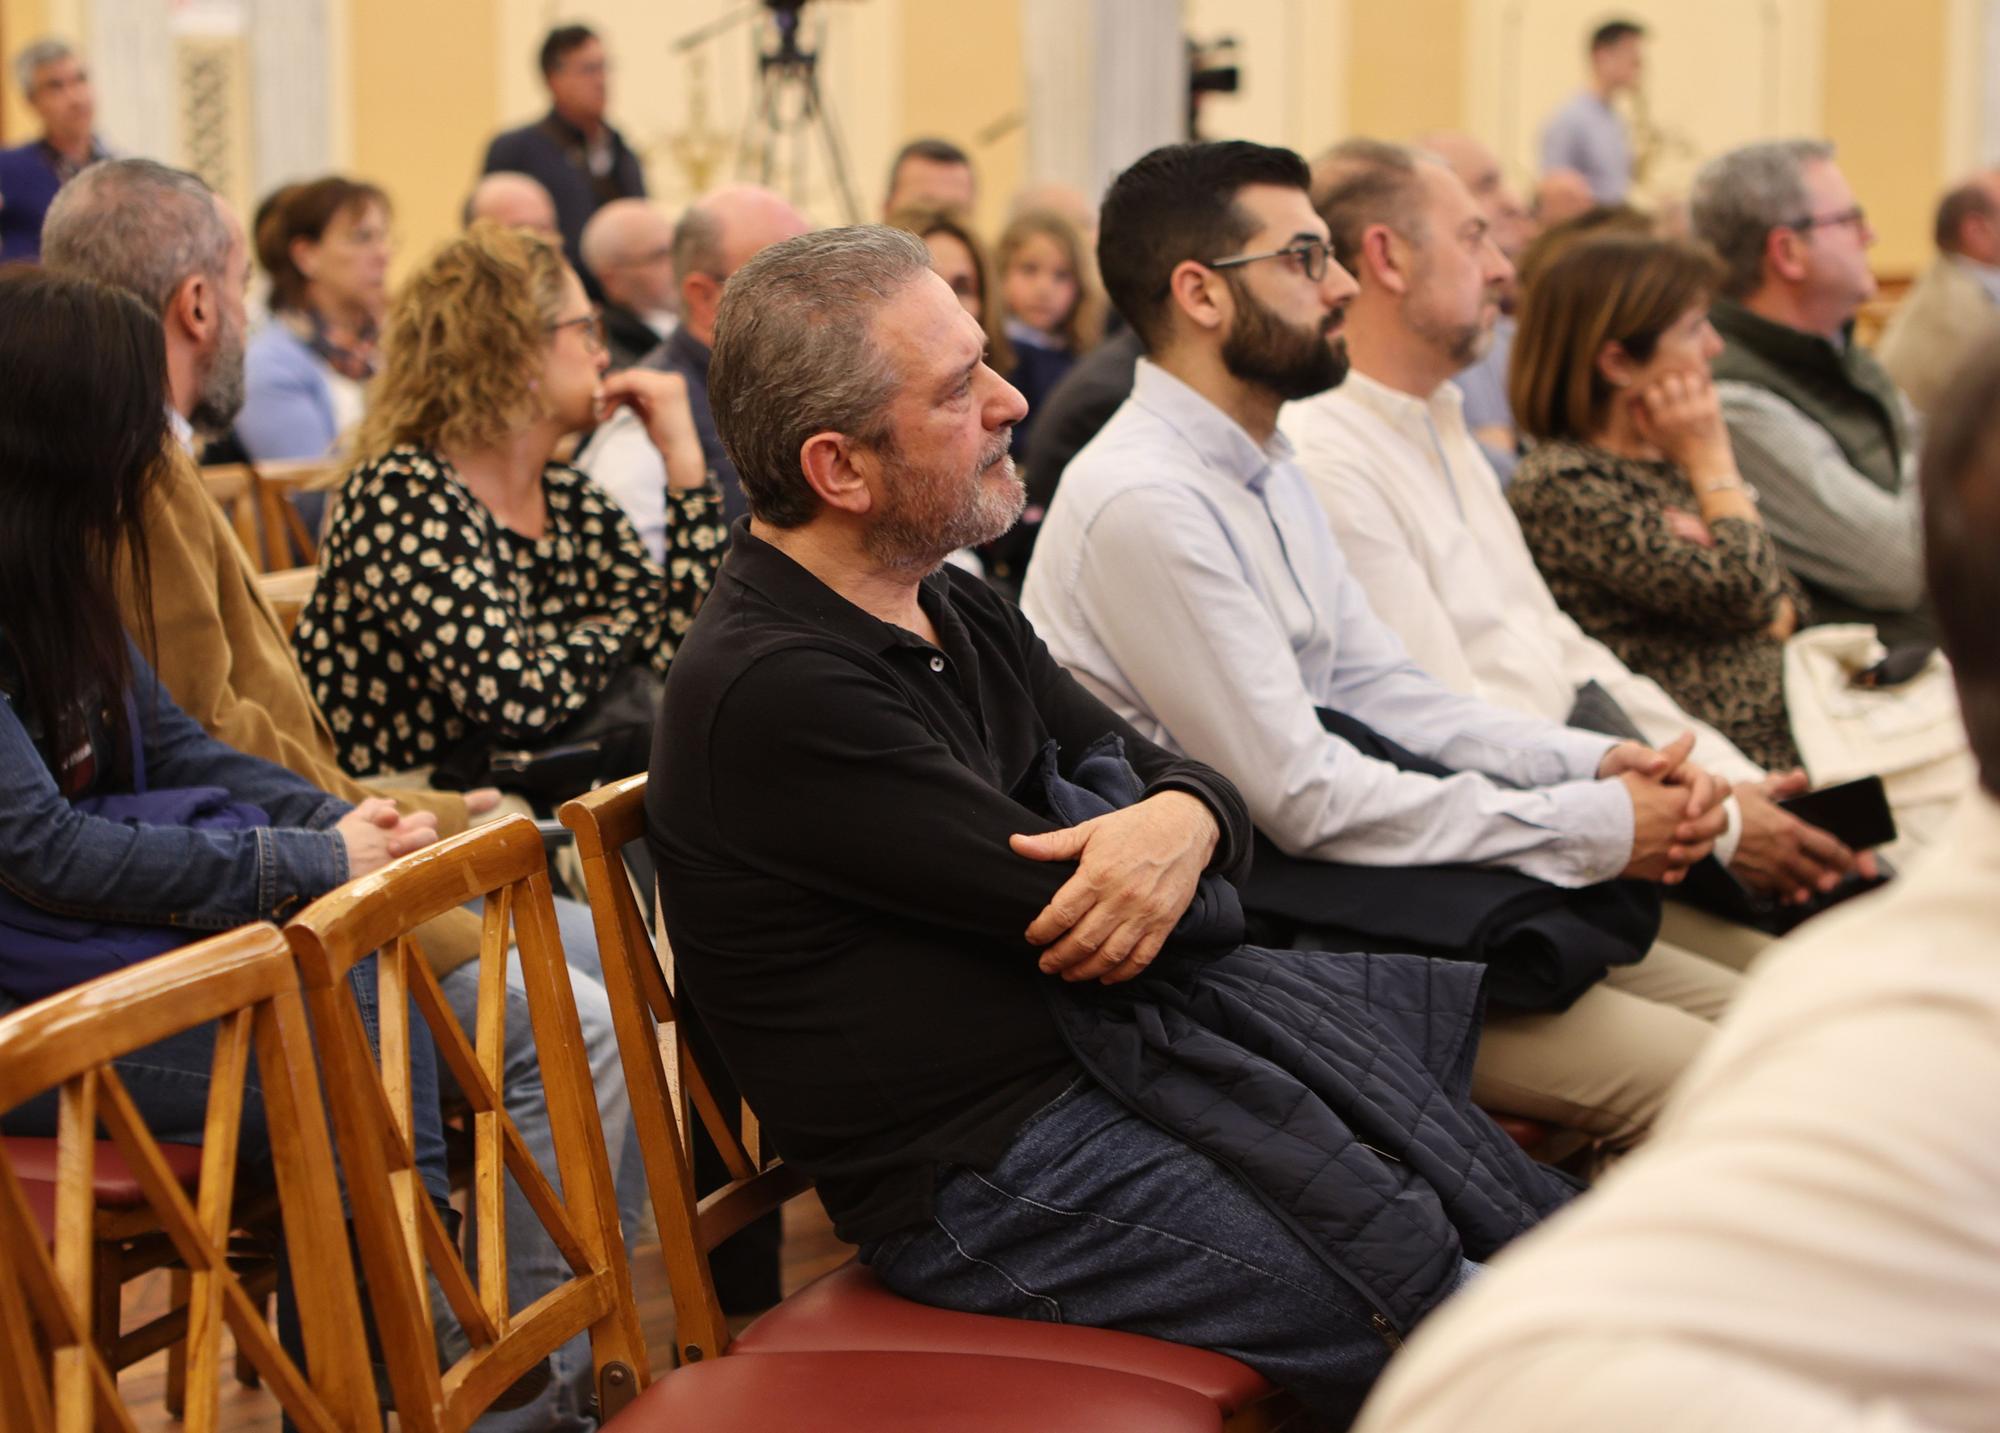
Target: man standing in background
57,88
579,158
1586,135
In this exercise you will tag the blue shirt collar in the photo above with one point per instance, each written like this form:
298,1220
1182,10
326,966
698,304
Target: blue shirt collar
1217,438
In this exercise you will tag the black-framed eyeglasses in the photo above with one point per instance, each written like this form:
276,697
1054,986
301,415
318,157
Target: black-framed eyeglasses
1312,255
1857,217
590,325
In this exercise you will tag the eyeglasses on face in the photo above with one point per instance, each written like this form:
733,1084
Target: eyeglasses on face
1310,254
590,325
1857,217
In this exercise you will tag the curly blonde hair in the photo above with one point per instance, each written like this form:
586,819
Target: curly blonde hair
463,344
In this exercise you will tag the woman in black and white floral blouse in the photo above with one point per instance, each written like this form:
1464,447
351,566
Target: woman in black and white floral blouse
470,584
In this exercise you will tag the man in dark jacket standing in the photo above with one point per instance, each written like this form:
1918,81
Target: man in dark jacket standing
579,158
57,87
926,966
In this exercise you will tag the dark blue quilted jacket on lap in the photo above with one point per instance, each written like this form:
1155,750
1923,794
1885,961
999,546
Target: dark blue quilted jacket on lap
1336,1086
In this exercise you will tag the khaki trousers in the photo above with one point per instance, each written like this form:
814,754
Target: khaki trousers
1605,1065
1725,942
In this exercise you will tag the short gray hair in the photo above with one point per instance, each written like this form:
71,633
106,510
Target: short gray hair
698,244
139,225
795,355
1741,196
31,58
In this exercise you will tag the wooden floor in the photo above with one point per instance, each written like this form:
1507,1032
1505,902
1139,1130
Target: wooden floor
810,1250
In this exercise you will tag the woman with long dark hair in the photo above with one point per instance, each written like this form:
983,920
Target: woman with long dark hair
124,828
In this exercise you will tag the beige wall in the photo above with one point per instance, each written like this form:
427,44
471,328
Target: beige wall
962,75
1885,107
423,83
1406,70
1883,78
421,107
20,22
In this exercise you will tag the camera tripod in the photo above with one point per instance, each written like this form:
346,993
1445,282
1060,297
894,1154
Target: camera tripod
786,103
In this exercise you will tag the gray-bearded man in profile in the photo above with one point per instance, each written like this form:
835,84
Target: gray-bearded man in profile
925,891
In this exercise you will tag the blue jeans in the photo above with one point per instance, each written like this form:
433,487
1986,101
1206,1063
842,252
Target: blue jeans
534,1266
1095,1216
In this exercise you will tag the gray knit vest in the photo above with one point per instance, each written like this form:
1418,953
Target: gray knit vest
1843,389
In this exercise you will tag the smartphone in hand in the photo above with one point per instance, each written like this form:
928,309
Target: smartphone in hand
1857,812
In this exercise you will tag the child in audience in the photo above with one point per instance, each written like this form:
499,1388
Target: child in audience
1046,312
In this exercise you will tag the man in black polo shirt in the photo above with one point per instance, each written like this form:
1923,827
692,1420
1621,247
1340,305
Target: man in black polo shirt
875,931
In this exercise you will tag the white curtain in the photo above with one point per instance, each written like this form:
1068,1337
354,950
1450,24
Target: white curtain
1107,81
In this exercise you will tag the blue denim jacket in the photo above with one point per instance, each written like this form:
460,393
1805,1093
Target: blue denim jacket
63,860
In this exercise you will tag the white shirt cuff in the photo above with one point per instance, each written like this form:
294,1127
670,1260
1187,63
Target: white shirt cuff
1732,834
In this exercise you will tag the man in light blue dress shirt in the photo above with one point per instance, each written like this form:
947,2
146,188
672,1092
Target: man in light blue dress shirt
1586,135
1187,577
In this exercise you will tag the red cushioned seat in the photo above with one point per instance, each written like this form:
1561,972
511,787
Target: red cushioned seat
34,1163
849,1309
1533,1136
918,1392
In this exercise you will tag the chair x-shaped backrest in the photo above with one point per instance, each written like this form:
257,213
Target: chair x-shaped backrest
245,983
659,1067
401,1234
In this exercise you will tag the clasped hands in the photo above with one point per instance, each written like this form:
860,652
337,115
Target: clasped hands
376,833
1136,871
1676,807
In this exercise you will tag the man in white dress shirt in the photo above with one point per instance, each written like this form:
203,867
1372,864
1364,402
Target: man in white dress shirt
1187,577
1811,1240
1427,531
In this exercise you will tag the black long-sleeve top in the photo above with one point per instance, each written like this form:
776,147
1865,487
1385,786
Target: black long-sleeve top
829,813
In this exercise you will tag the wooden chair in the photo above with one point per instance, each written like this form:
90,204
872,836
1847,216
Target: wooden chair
400,1233
128,1242
53,1373
257,501
288,592
398,1229
847,1310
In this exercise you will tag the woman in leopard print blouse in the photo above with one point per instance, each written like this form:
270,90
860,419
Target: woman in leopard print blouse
1632,503
469,583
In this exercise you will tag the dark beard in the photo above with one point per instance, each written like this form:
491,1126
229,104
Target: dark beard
1292,363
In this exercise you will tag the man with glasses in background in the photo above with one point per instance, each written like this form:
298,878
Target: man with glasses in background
1821,432
1188,579
573,151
